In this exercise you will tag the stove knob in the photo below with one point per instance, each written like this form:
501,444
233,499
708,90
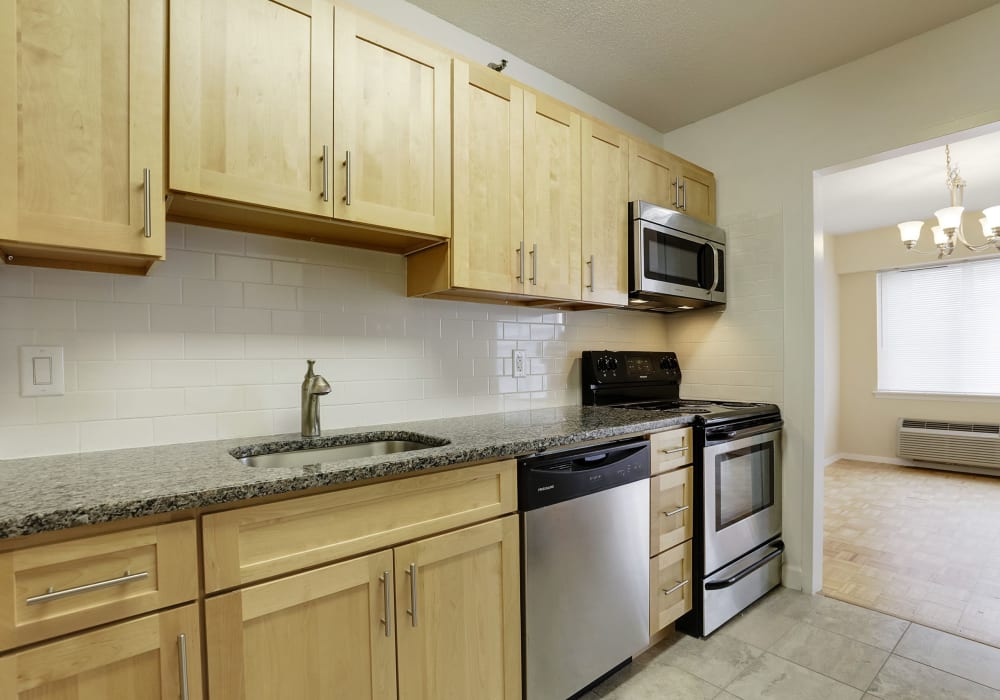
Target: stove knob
602,363
665,363
612,363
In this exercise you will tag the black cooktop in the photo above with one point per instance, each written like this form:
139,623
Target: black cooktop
650,381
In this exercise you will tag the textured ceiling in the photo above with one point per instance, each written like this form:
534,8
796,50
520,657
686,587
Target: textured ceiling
668,63
911,187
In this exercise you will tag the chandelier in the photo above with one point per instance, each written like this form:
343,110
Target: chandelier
949,228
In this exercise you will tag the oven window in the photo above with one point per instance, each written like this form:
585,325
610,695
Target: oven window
676,260
744,483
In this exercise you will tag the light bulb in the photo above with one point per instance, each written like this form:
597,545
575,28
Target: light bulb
909,231
940,237
992,215
950,217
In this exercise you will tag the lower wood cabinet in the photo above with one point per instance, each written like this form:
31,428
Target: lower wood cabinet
152,657
444,610
669,586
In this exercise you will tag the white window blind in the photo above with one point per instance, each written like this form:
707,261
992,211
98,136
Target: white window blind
939,329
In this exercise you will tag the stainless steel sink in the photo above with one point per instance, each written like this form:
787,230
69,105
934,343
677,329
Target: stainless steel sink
335,453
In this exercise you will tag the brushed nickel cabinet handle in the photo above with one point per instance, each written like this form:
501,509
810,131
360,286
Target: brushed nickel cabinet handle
684,193
182,656
326,173
534,264
147,214
52,594
386,579
591,263
674,451
677,193
668,591
412,612
347,169
520,263
675,511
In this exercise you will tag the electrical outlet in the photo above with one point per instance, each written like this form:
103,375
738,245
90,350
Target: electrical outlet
520,363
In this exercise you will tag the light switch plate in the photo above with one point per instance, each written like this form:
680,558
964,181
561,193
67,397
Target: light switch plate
42,371
520,363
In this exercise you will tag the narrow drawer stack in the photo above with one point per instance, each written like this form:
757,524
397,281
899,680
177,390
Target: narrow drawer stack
671,527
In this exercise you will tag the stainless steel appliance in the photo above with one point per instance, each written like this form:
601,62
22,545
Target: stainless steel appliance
585,572
675,262
737,538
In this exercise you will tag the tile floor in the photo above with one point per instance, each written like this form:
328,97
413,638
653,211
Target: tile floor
793,646
915,543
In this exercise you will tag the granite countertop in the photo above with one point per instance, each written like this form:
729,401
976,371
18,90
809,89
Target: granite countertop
41,494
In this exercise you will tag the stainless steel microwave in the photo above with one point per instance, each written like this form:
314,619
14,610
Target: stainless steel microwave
675,262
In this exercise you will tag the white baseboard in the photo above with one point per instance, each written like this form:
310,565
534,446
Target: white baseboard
791,577
830,460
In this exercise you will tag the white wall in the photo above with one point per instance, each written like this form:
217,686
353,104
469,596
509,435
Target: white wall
833,364
213,345
764,154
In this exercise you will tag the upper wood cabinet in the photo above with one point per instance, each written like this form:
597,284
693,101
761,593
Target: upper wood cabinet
696,191
488,133
552,198
251,101
605,224
81,133
392,128
458,608
651,175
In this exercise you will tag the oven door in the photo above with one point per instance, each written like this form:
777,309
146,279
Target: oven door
671,262
742,492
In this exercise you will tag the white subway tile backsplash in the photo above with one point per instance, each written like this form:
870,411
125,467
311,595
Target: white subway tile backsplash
240,269
181,319
174,429
16,281
214,240
182,373
269,296
37,440
196,292
245,424
236,320
76,406
119,374
213,345
71,284
16,410
111,316
17,313
116,434
149,346
147,403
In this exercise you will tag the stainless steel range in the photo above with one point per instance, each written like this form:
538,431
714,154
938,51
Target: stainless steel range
737,539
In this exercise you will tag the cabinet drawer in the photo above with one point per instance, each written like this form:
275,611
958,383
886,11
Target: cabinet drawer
671,509
669,586
670,449
50,590
249,544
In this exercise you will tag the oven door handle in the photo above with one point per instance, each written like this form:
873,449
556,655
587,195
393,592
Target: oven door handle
717,435
779,548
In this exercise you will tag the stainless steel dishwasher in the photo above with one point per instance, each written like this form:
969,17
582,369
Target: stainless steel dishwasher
585,569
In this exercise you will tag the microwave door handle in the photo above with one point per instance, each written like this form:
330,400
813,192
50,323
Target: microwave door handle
715,269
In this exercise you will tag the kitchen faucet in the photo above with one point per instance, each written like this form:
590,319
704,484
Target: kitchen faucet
313,386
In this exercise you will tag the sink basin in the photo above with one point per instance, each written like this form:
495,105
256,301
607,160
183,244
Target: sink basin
356,447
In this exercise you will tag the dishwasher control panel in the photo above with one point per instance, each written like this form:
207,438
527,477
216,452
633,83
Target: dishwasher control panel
547,479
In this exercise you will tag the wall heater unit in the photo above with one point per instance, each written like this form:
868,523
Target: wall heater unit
943,442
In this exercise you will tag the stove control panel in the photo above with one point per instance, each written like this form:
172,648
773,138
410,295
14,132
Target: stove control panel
608,366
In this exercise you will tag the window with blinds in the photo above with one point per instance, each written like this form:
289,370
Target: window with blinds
939,329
